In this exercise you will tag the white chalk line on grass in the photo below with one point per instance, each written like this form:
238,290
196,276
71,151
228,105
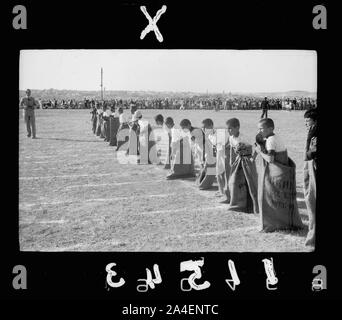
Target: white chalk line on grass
73,155
138,214
23,206
80,247
90,175
80,159
35,221
109,184
214,233
70,176
183,209
51,221
62,158
21,163
37,157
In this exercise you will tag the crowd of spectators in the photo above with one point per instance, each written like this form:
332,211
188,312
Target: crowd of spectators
201,103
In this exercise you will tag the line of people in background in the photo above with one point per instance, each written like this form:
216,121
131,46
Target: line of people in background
257,178
201,103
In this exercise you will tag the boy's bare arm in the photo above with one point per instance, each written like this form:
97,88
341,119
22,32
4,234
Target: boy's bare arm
269,156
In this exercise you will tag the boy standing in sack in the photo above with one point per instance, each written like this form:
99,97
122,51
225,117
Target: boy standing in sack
106,122
276,183
207,156
169,127
242,181
220,140
160,135
182,163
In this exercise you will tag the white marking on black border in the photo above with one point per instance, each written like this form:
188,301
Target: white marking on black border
152,23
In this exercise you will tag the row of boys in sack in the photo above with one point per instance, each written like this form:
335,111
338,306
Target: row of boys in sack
252,179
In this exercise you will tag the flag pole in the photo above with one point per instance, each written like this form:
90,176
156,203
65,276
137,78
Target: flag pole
101,84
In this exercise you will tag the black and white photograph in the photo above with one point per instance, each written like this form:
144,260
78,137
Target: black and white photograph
162,155
167,150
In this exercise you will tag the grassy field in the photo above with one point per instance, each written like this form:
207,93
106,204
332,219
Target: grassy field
74,195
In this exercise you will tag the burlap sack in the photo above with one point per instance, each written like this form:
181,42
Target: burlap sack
168,156
310,199
207,173
94,124
133,141
98,125
243,185
182,163
223,170
162,144
114,127
103,129
106,129
277,196
122,137
204,180
147,146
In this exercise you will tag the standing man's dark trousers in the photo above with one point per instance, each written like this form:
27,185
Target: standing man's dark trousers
264,113
30,121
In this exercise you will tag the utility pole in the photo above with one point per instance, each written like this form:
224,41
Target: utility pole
101,84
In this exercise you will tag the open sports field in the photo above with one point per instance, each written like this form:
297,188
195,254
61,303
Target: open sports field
74,195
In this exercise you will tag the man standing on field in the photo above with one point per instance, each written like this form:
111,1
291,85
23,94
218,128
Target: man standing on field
29,104
264,107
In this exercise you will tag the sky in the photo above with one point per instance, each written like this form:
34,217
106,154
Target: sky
214,71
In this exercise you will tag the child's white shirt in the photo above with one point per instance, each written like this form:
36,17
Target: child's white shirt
219,138
234,141
122,118
275,143
143,124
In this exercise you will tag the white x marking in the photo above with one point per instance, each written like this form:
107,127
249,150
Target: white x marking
152,23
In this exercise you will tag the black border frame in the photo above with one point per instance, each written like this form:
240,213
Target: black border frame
107,25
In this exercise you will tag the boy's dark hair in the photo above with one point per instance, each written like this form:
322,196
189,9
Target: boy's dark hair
208,122
169,120
120,110
185,123
234,122
312,114
268,122
159,118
